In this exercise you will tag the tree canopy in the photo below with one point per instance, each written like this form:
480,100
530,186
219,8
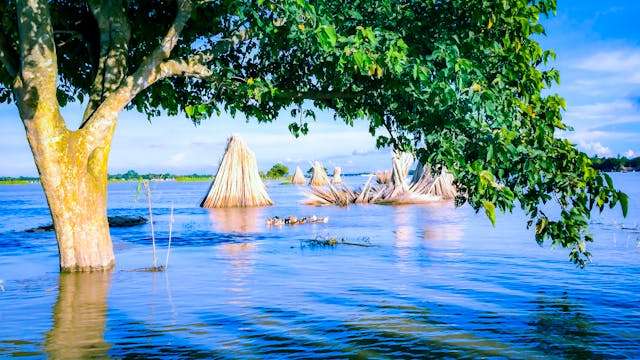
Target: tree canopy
460,82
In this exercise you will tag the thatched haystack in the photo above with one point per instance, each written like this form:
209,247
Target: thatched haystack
337,175
331,195
383,177
397,189
298,177
318,175
425,183
238,182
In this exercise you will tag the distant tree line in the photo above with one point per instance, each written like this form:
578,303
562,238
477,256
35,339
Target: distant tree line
613,164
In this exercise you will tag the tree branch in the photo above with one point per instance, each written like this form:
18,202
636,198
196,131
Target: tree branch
39,69
152,69
111,68
192,67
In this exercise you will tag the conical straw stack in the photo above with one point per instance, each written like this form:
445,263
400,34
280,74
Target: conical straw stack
298,177
337,175
318,175
238,182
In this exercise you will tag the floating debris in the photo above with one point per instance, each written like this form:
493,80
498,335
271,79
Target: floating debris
292,220
333,241
159,268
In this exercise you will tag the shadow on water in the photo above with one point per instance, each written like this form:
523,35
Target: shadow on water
562,328
79,317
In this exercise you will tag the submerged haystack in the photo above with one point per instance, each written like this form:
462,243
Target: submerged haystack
337,175
441,186
383,177
395,188
318,175
298,177
238,182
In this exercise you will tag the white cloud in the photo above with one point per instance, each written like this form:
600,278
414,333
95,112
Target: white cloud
595,148
631,153
615,61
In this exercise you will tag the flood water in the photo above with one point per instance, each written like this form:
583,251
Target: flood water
437,282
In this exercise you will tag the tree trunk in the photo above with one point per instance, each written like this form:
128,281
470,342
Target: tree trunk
73,173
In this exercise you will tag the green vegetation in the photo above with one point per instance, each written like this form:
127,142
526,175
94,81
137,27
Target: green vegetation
616,164
193,178
18,180
277,171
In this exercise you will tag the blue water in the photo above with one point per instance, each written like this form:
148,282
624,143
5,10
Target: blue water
437,282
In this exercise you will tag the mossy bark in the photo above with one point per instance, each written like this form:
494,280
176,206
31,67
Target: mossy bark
73,173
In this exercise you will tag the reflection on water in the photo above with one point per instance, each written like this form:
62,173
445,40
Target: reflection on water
562,322
439,282
237,220
79,317
405,234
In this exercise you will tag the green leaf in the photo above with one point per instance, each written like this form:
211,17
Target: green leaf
624,203
189,110
608,179
490,211
327,36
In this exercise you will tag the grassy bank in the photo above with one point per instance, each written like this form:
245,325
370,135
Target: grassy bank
17,181
192,178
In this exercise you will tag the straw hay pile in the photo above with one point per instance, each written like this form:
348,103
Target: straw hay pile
337,175
383,177
318,175
397,189
298,177
238,182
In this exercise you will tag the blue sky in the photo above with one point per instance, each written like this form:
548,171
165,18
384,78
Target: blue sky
598,47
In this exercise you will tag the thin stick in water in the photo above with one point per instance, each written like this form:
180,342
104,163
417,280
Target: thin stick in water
153,233
166,262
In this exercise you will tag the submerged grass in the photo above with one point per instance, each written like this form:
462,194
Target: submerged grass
334,241
153,269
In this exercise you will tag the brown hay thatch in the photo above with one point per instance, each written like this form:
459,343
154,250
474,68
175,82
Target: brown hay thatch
298,177
318,175
423,187
337,175
238,182
383,177
331,195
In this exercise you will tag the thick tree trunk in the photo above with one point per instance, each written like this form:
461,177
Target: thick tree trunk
73,173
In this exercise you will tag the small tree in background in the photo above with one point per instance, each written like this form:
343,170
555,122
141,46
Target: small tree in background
277,171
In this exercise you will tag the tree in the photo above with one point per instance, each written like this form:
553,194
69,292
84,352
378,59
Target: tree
459,82
277,171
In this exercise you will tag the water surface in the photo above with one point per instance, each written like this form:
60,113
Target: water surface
438,282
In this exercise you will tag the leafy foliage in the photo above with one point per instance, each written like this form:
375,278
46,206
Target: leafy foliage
277,171
461,82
